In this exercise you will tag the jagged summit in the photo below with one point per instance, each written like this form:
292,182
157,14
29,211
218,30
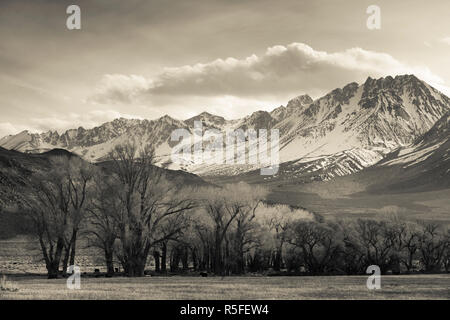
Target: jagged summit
344,131
207,119
207,114
166,117
299,101
390,83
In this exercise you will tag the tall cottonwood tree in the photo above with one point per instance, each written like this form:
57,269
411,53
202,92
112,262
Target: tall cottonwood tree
231,211
153,209
203,233
376,241
318,243
79,175
55,199
446,259
406,242
432,246
244,199
47,199
103,217
277,219
215,205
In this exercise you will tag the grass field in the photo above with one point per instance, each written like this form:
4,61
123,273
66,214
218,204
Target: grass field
349,197
430,206
240,288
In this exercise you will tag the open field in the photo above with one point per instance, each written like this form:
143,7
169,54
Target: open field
429,206
367,193
241,288
21,255
351,197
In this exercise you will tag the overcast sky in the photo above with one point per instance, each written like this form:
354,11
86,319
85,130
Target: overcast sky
145,59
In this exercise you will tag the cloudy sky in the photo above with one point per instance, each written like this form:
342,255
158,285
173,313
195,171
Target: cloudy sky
145,59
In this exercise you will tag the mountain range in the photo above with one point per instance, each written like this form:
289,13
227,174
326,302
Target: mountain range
384,122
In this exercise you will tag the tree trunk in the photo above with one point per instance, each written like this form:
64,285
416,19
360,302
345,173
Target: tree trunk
156,256
175,258
109,262
240,263
66,261
226,263
217,267
136,267
185,258
53,266
194,259
277,260
73,243
164,257
52,270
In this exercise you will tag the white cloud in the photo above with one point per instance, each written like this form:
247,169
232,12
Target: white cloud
446,40
280,71
120,88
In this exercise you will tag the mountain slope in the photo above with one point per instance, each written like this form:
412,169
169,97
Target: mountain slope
381,115
348,129
425,164
355,127
15,164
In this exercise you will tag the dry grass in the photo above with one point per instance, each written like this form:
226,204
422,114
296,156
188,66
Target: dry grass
430,206
7,285
236,288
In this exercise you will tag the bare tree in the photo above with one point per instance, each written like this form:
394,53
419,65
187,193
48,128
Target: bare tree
432,246
55,199
319,245
153,209
278,219
203,242
376,241
447,252
47,198
243,199
79,174
353,259
406,242
222,207
104,214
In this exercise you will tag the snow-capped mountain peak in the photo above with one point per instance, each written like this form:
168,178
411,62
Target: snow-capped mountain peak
347,129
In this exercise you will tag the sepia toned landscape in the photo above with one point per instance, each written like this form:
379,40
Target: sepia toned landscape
224,150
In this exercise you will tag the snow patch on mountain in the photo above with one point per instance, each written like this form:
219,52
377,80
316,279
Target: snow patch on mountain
340,133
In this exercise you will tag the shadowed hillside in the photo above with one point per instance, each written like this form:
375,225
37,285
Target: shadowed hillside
14,166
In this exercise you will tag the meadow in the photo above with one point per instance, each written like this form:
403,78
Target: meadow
355,196
233,288
428,206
